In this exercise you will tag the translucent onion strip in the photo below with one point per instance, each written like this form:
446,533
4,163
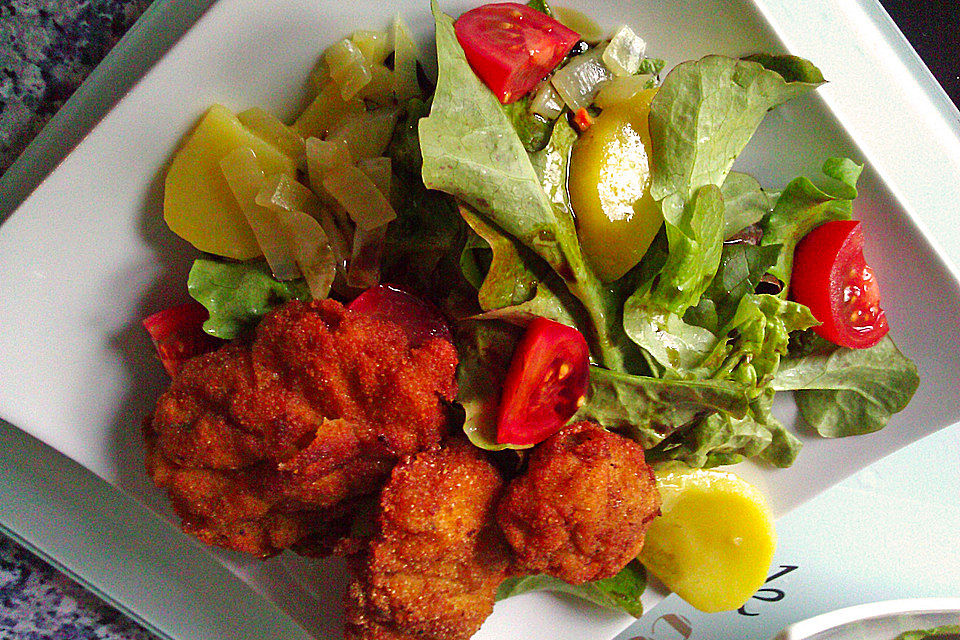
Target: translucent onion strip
318,256
312,251
361,198
374,45
366,134
546,102
621,89
322,157
405,83
270,128
578,81
348,67
364,269
624,53
326,112
380,171
246,179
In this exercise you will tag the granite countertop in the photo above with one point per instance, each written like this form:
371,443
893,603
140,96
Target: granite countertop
47,48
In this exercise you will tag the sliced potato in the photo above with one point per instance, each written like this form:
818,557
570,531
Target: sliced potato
713,542
197,202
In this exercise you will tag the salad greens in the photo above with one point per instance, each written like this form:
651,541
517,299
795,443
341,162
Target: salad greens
685,328
238,294
946,632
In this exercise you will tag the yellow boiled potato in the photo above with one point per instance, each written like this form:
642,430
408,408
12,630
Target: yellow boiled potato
610,188
713,542
197,202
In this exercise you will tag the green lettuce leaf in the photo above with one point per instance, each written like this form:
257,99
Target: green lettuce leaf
650,409
741,267
510,289
533,129
845,392
427,228
705,113
238,294
622,591
652,315
485,349
471,150
803,206
745,203
722,439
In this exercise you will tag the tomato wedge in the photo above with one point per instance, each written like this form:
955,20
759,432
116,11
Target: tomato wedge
177,334
833,279
545,385
419,319
512,47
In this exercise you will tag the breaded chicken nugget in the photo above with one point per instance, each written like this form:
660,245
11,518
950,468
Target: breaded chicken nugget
432,569
263,445
581,510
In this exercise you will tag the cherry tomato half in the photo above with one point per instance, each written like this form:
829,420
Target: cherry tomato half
419,319
177,334
832,278
512,47
545,385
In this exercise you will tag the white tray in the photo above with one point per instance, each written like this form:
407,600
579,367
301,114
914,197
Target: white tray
85,256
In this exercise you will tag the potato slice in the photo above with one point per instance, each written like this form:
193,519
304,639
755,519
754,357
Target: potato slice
713,542
197,202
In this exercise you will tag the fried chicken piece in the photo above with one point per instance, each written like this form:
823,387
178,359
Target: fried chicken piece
264,445
432,569
581,510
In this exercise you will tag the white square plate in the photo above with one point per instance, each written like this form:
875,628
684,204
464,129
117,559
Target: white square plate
86,255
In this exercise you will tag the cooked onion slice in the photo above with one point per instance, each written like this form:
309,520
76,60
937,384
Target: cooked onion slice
621,89
546,102
578,81
374,45
380,171
624,53
405,85
361,198
312,251
246,179
348,67
364,269
270,128
326,112
312,247
367,134
589,30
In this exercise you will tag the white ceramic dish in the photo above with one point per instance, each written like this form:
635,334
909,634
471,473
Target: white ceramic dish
877,620
86,256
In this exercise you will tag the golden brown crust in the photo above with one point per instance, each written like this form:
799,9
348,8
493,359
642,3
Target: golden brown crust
263,445
432,570
581,510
